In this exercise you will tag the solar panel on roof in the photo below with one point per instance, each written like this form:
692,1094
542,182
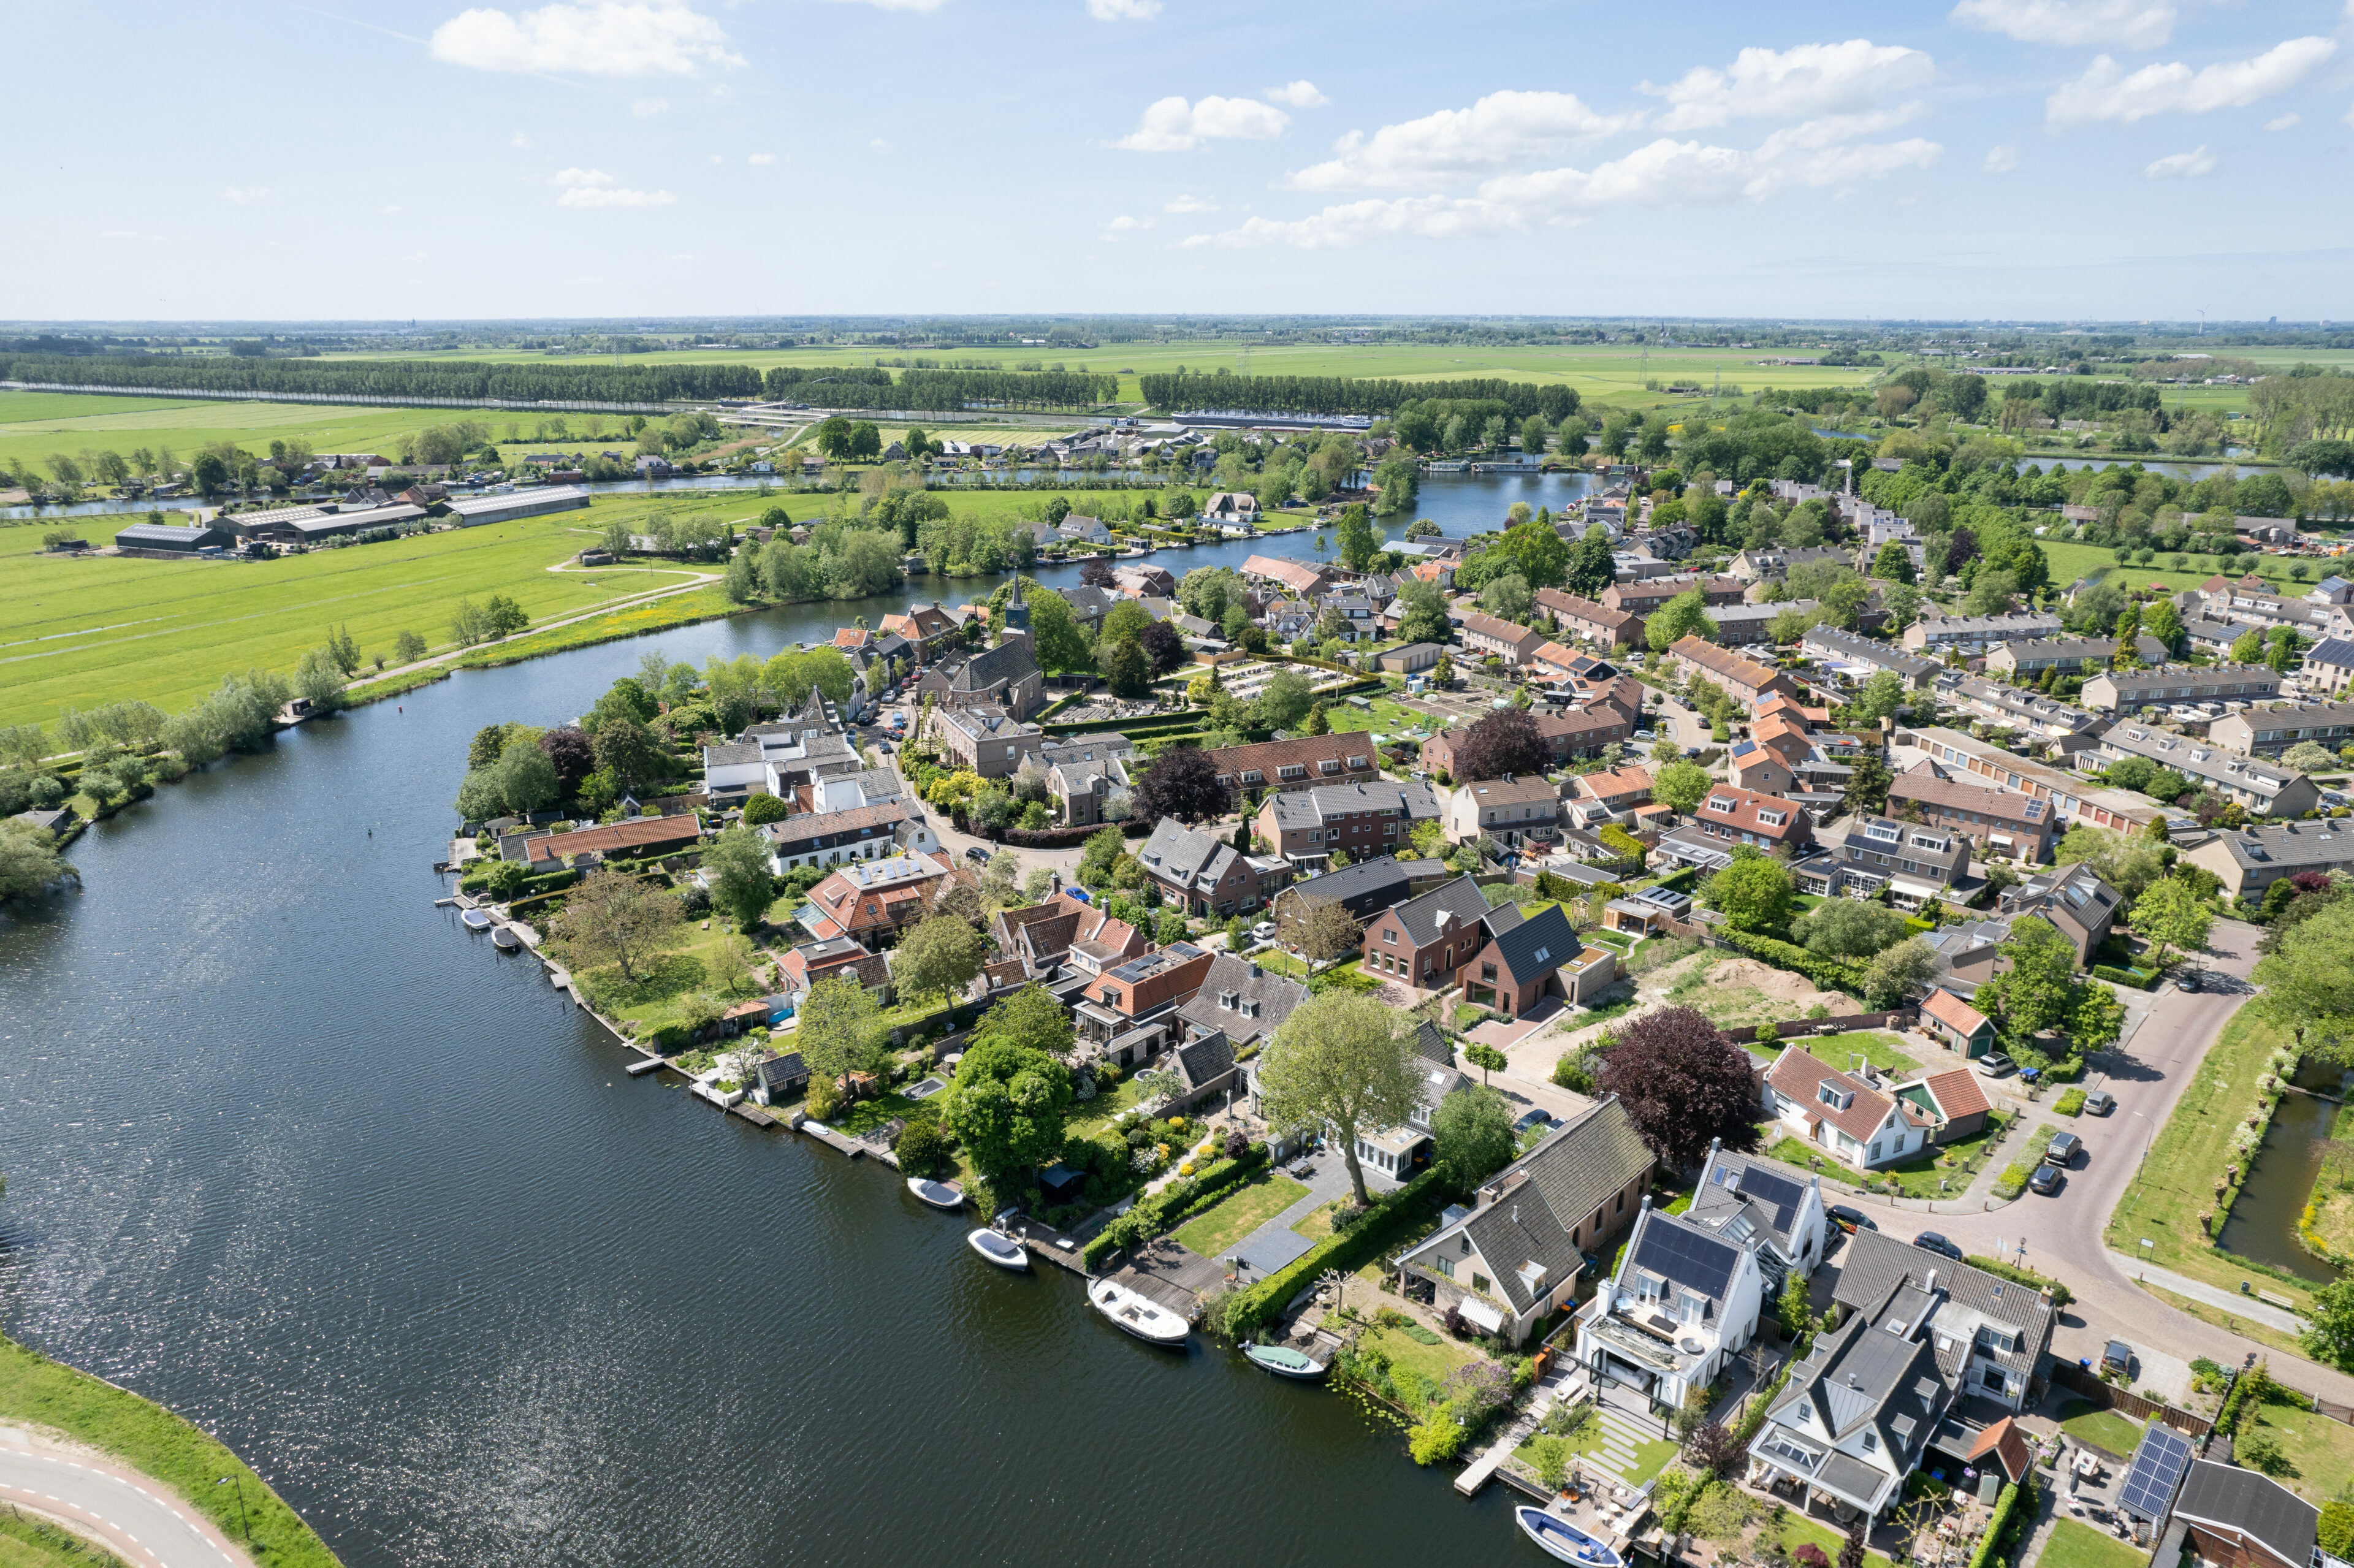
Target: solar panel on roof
1778,1194
2159,1460
1698,1263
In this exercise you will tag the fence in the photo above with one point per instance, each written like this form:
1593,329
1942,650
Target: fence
1799,1029
2077,1380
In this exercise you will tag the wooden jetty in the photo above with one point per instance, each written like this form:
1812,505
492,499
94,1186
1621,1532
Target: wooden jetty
640,1069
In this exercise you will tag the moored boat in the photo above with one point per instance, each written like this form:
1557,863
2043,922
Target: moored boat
1560,1539
938,1194
1139,1314
505,941
476,920
1000,1249
1284,1362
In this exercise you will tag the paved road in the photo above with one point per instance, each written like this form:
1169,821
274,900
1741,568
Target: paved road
2064,1233
135,1516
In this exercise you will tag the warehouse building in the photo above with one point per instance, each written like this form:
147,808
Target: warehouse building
474,510
171,540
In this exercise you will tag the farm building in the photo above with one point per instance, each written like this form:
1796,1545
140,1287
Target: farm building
172,539
475,510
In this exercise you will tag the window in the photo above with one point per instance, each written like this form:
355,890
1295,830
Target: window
1390,936
1479,1283
1444,1264
1487,971
1871,1444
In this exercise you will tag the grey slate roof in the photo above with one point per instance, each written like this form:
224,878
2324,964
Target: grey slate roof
1414,800
1182,855
2289,847
1204,1060
1874,1266
1275,995
1767,1195
1515,1232
1361,889
1431,1045
1011,661
1530,947
1582,1164
1863,1375
1461,898
731,752
2254,1504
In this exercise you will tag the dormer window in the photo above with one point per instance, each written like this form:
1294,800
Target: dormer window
1871,1444
1227,1000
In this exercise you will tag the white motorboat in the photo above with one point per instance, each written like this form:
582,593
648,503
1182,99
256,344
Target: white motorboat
476,920
938,1194
1139,1314
1000,1249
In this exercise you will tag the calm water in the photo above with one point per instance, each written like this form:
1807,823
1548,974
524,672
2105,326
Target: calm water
292,1153
2265,1217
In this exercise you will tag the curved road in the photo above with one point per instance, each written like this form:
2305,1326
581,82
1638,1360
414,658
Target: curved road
134,1516
2064,1233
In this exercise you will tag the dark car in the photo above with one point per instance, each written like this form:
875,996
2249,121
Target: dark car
2116,1353
2063,1148
977,852
1851,1220
2045,1181
1930,1241
1533,1118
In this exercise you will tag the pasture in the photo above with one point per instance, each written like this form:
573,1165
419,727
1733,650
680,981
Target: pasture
33,425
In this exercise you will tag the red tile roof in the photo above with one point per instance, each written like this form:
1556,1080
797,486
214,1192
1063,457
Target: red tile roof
1958,1093
1744,809
1800,1076
1954,1013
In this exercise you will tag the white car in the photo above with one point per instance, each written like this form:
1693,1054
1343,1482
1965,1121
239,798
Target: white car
1263,932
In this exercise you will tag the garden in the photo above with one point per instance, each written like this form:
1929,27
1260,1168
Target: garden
1947,1171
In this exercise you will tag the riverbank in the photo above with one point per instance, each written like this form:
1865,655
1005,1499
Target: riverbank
179,1457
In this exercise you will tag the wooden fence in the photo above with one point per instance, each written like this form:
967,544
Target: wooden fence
2077,1380
1799,1029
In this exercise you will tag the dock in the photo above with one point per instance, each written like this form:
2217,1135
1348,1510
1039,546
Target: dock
640,1069
833,1138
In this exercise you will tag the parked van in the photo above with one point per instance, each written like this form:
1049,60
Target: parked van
2061,1149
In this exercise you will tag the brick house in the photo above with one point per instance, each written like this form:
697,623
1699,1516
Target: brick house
1998,822
1746,681
1301,763
1609,796
1426,940
1956,1025
1643,597
1514,644
1582,732
1591,623
1361,821
989,741
1521,964
626,841
930,630
1507,810
1744,816
873,901
1203,875
1119,1009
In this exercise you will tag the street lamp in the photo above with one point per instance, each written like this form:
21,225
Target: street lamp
2147,1248
242,1519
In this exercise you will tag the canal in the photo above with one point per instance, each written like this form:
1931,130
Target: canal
291,1152
2265,1215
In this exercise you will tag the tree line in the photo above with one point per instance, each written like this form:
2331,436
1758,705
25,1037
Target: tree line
865,387
571,383
1347,395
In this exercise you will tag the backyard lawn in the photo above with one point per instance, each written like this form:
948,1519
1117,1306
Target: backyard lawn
1798,1529
1839,1049
2109,1429
1249,1204
1432,1363
2319,1451
2075,1546
1317,1224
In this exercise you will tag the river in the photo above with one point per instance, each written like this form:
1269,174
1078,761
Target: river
293,1154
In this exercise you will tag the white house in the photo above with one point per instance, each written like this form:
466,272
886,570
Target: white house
1849,1117
1684,1302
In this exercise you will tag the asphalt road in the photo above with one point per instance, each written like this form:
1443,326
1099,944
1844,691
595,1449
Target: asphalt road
2064,1233
133,1516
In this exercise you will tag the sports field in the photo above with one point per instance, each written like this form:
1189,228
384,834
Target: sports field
80,632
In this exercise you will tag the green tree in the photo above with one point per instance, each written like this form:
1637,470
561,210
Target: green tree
2328,1334
1126,669
1472,1131
940,956
2249,648
737,865
1686,615
1030,1019
611,917
1355,537
1422,612
1487,1058
1679,786
2097,1019
1894,563
1007,1106
1285,700
29,862
1507,598
1895,972
1848,929
2305,984
2170,913
1342,1064
1883,696
631,752
1754,893
1591,568
2039,991
524,779
840,1030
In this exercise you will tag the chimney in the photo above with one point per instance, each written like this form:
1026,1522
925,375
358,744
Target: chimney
1647,1202
1929,1286
1716,1146
1255,969
1516,1213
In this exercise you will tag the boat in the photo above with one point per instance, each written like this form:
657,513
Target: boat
1139,1314
505,941
1001,1250
1284,1362
476,920
938,1194
1560,1539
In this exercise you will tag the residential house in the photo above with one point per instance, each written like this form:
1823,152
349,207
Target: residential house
1066,929
1231,507
1244,1000
1582,732
2252,859
833,958
634,839
929,630
778,1077
2328,666
2127,691
1510,810
1990,1334
1089,605
1643,597
1365,888
1968,953
1774,565
2066,796
1301,762
2254,605
1297,579
1759,768
874,901
2069,655
2235,1517
858,834
1485,635
1744,816
1203,875
1127,1013
2041,723
1079,530
2016,827
1978,633
1427,939
1082,790
1684,1302
1867,853
1850,1117
1956,1025
1516,1256
1860,658
1609,797
2074,899
1765,1206
2269,731
1746,681
2266,789
1519,968
1590,621
989,741
1309,826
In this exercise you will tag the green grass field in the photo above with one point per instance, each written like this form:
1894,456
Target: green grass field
1249,1206
2075,1546
34,424
80,632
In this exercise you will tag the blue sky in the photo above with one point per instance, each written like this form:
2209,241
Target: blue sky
2118,159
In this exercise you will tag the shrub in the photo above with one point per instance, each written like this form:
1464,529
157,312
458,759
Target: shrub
2013,1181
1344,1250
2137,980
1436,1439
2069,1104
2336,1530
2061,1295
922,1147
1549,1456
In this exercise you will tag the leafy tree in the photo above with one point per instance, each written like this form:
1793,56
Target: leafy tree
485,748
1027,1019
1007,1105
2306,983
1894,563
1103,849
1422,612
1125,624
1183,783
2097,1020
1321,928
742,886
2172,916
1507,598
2128,863
1128,670
1714,1449
1867,784
631,751
1849,928
840,1030
1055,636
1686,615
1754,893
610,917
1355,537
1683,1083
1679,786
939,957
923,1148
2309,756
1285,699
1165,647
761,809
1473,1131
1883,696
29,862
1506,741
1342,1064
1591,570
1893,974
2039,991
1487,1058
2249,648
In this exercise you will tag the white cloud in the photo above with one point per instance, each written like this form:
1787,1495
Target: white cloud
647,108
1500,130
2282,121
1793,84
611,38
1667,173
1123,10
1123,226
1189,204
2181,166
2000,160
595,187
2105,92
1296,95
924,6
518,140
1173,125
247,196
2128,24
761,158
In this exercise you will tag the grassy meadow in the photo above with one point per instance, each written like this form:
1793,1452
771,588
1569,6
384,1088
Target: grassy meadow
33,425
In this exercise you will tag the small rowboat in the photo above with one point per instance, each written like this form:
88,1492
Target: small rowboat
505,941
938,1194
1560,1539
1001,1250
1284,1362
476,920
1139,1314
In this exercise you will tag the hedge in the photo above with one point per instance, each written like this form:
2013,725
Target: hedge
2138,979
1147,725
2069,1104
1991,1544
1344,1250
1828,973
1157,1211
2061,1295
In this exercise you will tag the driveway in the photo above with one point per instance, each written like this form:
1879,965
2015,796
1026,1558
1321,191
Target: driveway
134,1516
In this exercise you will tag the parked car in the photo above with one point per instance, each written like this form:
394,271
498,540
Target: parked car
1645,734
977,852
2100,1102
2119,1355
1533,1118
1995,1065
1263,932
1851,1220
2061,1149
2045,1181
1930,1241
